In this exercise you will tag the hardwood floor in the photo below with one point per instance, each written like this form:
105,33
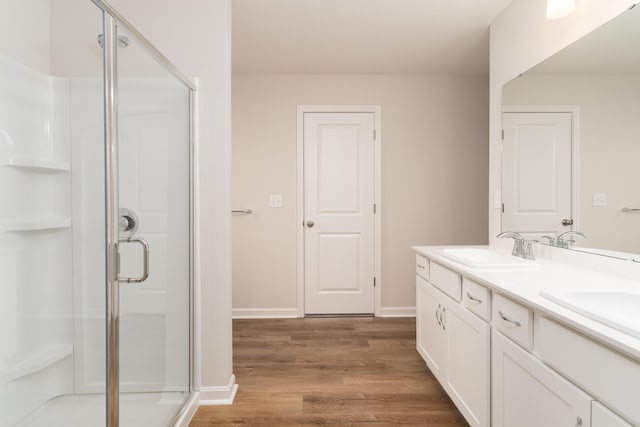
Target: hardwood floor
331,371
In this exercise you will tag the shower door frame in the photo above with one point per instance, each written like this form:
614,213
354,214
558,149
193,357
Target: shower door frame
111,20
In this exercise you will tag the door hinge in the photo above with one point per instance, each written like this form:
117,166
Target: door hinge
503,208
374,134
502,133
374,208
374,282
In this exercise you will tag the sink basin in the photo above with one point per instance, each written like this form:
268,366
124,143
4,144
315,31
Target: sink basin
486,258
617,309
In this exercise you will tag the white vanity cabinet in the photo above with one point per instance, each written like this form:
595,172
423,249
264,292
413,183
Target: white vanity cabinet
526,393
455,344
430,335
494,344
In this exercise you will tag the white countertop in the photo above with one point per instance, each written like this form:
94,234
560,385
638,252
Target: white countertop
525,286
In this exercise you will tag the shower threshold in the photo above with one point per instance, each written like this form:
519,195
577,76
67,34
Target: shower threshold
136,410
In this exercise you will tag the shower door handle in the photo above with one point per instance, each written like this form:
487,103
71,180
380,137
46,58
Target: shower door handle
145,260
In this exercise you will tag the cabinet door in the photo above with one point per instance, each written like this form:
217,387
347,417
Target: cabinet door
468,340
526,393
430,333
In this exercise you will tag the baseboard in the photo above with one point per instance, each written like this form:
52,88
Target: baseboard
292,313
188,411
265,313
222,395
398,312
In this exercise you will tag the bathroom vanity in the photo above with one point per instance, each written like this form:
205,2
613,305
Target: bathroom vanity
528,343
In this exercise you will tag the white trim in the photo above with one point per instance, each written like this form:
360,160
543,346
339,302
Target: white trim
398,312
575,148
196,371
188,410
222,395
377,114
265,313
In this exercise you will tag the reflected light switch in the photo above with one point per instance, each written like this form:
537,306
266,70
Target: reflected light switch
599,199
275,201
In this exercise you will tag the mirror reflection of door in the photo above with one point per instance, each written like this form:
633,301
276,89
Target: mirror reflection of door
537,172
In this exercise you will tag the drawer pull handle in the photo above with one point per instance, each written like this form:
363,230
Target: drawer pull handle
506,319
443,318
474,299
421,266
579,422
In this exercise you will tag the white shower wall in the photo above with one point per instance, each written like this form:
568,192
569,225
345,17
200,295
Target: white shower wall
52,228
36,326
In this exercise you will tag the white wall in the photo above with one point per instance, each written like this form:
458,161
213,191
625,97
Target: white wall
195,35
24,32
521,37
608,128
434,174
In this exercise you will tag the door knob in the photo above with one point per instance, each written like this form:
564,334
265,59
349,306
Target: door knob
567,222
309,224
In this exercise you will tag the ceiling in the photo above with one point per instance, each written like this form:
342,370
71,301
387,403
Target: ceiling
611,49
363,36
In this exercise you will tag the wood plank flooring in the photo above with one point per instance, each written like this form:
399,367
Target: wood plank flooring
331,371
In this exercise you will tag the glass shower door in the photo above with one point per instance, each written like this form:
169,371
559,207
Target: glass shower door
153,119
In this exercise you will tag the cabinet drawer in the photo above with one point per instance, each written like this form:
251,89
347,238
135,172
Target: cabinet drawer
446,280
422,267
513,320
610,376
476,298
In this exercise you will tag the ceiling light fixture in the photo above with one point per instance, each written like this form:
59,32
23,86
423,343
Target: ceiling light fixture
557,9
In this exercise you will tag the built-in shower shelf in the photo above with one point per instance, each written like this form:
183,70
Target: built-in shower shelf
35,224
35,363
36,164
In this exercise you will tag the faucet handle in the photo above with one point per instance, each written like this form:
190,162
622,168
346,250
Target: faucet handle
528,250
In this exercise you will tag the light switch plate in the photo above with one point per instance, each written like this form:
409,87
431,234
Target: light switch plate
275,201
497,199
599,199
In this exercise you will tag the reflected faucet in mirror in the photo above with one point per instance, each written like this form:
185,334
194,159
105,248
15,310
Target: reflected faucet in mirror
564,240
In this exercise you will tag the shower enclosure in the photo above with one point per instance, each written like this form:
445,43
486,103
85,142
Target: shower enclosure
95,221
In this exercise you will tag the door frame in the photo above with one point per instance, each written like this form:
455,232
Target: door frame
574,110
376,110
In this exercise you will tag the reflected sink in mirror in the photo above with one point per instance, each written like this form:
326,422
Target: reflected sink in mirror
486,259
617,309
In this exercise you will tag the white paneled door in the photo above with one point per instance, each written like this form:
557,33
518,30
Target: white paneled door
339,213
537,172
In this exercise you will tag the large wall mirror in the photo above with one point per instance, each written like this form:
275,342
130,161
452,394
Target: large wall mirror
571,144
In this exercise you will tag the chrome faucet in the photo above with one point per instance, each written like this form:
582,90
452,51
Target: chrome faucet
563,242
522,247
518,242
